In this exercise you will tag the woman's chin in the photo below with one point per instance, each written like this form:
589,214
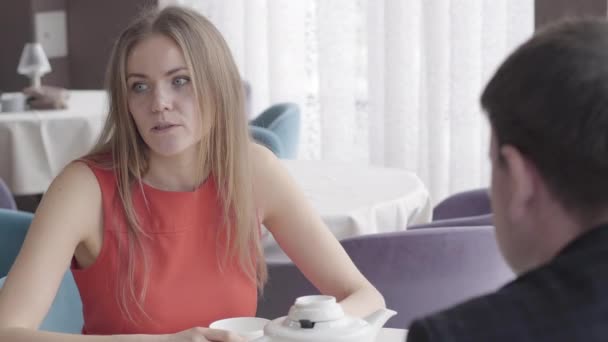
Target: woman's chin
169,152
172,150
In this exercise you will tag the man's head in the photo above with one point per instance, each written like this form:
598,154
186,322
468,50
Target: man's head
548,108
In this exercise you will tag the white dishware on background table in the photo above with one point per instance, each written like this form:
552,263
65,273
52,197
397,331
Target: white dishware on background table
12,102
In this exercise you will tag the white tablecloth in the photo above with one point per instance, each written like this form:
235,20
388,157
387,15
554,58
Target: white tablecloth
357,199
36,145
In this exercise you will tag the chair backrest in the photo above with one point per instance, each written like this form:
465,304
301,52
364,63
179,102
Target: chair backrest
13,228
463,204
65,314
7,201
283,119
268,139
418,272
470,221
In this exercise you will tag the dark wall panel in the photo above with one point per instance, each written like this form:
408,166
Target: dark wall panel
60,76
547,11
93,27
48,5
16,28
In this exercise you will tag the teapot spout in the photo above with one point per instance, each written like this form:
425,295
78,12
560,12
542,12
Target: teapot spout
378,318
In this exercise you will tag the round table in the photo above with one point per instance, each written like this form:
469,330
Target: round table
354,199
36,145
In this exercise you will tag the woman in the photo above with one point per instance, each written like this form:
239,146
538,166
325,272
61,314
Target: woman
160,223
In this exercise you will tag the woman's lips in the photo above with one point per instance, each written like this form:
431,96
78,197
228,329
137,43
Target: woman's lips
162,128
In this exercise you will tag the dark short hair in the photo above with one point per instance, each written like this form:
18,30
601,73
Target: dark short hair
549,99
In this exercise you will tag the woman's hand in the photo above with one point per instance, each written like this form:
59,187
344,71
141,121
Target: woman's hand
204,335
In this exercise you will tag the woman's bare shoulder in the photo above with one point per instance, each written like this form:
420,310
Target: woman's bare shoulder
73,197
77,178
262,159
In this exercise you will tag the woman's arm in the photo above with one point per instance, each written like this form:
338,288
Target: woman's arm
69,213
306,239
15,334
195,334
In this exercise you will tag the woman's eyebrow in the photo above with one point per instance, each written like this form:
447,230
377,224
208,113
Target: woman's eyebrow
170,72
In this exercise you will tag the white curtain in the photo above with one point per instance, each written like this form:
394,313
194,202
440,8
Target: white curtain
393,83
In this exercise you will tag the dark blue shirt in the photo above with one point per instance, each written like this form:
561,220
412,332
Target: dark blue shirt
564,300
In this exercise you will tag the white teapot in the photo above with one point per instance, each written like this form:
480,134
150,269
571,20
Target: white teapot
320,318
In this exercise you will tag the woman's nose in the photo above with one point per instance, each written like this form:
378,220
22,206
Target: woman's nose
162,100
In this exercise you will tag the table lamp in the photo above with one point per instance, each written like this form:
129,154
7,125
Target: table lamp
33,63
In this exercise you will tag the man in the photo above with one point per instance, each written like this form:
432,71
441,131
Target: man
548,108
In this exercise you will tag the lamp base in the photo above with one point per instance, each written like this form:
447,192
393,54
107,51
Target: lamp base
35,81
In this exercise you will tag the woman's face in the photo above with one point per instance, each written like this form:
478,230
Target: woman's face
161,96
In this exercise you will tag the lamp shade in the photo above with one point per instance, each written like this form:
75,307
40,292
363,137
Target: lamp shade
33,61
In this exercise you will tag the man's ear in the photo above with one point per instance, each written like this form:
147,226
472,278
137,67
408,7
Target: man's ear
522,180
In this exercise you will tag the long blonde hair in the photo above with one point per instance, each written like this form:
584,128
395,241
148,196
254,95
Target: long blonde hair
224,151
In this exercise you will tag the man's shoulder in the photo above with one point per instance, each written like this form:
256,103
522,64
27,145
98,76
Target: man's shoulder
553,303
485,318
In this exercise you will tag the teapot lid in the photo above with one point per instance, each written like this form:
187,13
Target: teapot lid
317,318
315,309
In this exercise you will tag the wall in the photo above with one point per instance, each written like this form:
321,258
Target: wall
92,26
547,11
16,28
60,75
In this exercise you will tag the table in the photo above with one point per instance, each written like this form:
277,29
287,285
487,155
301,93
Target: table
35,145
391,335
354,199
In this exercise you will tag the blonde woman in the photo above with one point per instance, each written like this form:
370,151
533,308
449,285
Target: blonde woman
161,222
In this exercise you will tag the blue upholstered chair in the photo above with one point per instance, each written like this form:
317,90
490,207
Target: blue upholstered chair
65,314
13,227
267,138
283,120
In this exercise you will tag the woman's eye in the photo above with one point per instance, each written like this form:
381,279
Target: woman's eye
181,81
139,87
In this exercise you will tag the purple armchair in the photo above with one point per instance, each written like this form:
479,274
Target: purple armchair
6,197
418,272
469,221
464,204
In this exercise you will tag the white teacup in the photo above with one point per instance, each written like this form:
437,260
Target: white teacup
247,327
13,102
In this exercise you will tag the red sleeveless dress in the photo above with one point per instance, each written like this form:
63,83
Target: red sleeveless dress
187,286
